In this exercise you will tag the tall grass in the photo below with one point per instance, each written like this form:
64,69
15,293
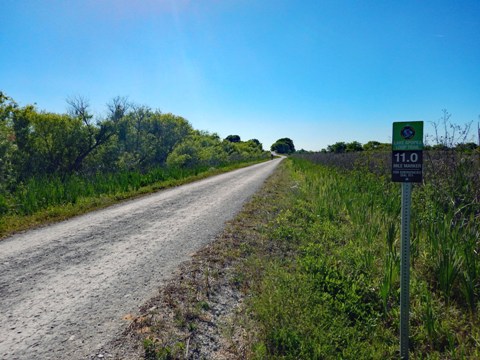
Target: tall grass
48,196
42,192
447,216
336,294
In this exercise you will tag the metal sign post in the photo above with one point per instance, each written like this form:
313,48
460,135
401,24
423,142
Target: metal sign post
405,269
407,162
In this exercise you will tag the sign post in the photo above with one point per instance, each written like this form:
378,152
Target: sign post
407,163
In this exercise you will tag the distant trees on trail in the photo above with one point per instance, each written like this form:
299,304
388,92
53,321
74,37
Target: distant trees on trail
203,148
373,146
283,146
354,146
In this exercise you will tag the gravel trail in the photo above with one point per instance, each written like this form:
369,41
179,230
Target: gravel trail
65,289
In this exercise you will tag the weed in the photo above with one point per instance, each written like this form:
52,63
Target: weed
203,305
154,350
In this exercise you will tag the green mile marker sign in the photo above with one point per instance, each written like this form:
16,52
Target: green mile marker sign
407,151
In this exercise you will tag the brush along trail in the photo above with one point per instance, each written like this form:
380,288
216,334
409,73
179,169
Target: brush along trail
68,289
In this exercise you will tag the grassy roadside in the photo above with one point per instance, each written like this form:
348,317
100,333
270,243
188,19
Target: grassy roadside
334,292
12,223
322,300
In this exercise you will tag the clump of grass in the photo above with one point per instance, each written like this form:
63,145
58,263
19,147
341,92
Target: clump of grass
155,351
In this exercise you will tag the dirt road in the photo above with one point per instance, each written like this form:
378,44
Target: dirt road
65,289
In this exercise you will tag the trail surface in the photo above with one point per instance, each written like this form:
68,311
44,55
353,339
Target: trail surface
65,289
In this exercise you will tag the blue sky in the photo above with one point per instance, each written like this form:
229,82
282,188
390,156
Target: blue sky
315,71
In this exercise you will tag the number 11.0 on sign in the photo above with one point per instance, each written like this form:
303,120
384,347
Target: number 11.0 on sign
403,157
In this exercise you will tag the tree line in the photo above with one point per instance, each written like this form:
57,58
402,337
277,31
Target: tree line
130,137
446,136
354,146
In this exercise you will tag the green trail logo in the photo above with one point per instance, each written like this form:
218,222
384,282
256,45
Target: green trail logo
407,136
407,132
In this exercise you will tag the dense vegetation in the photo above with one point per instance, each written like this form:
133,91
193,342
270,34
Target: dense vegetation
49,159
283,146
334,293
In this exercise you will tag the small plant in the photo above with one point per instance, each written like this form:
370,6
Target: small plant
150,347
429,316
203,305
154,350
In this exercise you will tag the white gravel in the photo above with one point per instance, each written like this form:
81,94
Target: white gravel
65,288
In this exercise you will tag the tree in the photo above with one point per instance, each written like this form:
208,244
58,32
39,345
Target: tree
95,134
169,130
447,134
145,137
233,138
283,146
58,142
7,106
466,147
354,146
23,133
342,147
199,148
256,143
303,151
7,154
337,148
118,108
377,146
205,149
